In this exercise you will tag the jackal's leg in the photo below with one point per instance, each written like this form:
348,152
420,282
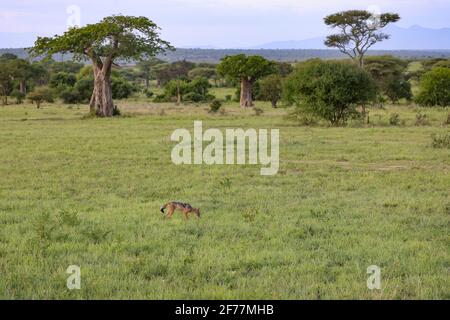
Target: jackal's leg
170,211
186,214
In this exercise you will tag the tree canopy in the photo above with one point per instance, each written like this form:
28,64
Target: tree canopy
330,90
247,70
358,31
112,39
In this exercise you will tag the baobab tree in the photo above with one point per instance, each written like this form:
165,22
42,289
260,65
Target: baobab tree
358,31
247,70
114,38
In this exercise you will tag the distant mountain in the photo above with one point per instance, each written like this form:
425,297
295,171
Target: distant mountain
412,38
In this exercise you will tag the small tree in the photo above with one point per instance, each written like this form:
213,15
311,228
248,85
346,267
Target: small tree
208,73
330,90
112,39
390,75
40,95
146,67
435,88
247,70
7,73
270,89
358,31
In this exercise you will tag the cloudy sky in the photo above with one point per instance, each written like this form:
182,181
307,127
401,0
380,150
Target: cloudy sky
201,23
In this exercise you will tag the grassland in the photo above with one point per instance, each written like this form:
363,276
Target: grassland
87,192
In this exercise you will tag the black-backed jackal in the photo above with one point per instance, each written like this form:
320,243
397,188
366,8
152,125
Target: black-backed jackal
186,208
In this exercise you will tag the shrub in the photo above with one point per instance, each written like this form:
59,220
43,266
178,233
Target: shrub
440,141
215,106
71,95
421,119
258,111
394,119
329,90
435,88
121,88
148,93
228,97
270,89
62,79
40,95
19,96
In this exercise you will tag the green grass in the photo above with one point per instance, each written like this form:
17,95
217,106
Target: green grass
87,192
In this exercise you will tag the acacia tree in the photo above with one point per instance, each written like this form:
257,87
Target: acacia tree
358,31
146,69
247,70
270,89
114,38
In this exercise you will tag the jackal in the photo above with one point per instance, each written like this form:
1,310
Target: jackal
186,208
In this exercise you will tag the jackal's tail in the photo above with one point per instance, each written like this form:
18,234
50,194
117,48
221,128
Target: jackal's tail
162,208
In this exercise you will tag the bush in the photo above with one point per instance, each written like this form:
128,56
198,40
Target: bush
62,79
40,95
71,95
270,89
258,111
190,91
435,88
148,93
440,141
215,106
421,119
329,90
394,119
301,118
228,97
19,96
193,97
121,88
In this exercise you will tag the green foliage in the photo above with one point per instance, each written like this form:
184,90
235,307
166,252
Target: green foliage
145,67
284,68
71,96
208,73
440,141
19,96
358,31
435,88
117,37
240,66
196,90
40,95
394,119
390,75
121,88
215,105
7,75
148,93
330,90
62,80
270,89
422,119
173,71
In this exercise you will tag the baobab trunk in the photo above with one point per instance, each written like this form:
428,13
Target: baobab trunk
246,93
101,101
23,86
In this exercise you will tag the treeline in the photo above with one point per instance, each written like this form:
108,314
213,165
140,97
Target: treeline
285,55
330,89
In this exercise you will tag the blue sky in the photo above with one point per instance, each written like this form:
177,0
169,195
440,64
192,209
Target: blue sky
218,23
